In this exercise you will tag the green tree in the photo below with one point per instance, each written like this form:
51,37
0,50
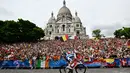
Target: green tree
1,23
123,32
7,31
126,32
96,33
118,33
20,31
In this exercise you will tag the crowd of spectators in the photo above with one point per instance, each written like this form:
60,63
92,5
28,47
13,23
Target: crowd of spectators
103,48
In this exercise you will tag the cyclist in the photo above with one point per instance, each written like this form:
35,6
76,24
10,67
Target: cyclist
74,58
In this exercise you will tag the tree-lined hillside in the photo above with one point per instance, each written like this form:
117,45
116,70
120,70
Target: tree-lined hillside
19,31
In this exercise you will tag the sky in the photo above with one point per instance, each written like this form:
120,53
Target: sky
107,15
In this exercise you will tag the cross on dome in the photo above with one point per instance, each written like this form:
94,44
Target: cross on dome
76,14
52,14
64,3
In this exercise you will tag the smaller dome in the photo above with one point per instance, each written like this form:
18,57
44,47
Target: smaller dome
77,19
52,19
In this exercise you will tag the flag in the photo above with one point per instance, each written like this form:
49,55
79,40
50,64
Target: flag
31,63
56,58
75,37
124,62
117,61
65,37
71,37
38,64
47,62
92,64
128,61
42,63
109,60
57,63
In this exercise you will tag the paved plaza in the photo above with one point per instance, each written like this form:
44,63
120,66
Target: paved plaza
106,70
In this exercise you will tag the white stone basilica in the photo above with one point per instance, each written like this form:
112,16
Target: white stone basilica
65,24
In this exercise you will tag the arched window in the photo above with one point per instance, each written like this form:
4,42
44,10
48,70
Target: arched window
80,25
77,25
63,16
50,33
50,26
63,26
78,32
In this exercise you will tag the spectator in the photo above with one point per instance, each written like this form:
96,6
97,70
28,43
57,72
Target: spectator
103,48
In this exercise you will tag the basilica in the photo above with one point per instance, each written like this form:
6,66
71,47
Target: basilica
64,24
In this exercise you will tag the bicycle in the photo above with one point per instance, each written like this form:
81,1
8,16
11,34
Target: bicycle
79,68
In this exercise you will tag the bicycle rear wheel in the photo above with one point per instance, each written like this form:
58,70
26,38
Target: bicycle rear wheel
62,69
65,70
80,68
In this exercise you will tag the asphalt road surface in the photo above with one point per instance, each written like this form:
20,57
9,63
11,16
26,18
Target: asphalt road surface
104,70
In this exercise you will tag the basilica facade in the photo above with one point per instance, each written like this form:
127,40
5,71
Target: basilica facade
64,24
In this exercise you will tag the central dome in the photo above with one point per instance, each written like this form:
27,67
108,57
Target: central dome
64,10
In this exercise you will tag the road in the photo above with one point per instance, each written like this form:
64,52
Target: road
104,70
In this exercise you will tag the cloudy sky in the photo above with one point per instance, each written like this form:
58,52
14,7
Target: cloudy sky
107,15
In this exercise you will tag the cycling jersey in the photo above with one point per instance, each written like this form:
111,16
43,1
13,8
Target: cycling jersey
70,56
79,56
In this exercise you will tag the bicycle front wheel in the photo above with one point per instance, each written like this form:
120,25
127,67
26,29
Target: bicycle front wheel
80,68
